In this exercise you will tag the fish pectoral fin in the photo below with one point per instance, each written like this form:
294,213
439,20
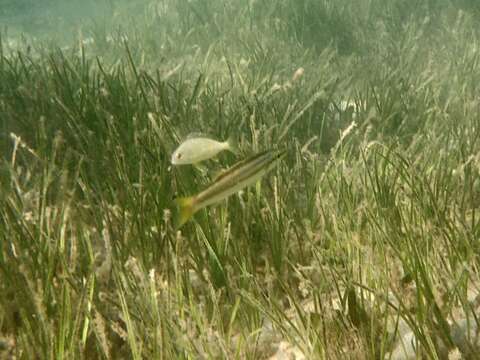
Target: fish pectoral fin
201,168
185,210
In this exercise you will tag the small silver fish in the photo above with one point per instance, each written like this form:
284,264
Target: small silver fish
232,180
197,148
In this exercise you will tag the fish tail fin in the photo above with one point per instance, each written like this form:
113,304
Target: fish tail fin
185,210
232,144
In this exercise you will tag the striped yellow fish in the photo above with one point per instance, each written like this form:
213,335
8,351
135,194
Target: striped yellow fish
240,175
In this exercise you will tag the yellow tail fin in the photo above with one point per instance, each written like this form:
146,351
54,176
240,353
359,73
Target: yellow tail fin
185,210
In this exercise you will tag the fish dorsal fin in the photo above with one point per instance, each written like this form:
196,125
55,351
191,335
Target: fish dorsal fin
223,173
197,134
219,174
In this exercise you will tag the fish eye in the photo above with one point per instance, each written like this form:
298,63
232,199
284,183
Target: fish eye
179,156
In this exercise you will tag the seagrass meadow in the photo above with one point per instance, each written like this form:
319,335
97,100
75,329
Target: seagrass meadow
362,243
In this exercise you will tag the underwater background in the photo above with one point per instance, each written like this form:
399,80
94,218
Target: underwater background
363,241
